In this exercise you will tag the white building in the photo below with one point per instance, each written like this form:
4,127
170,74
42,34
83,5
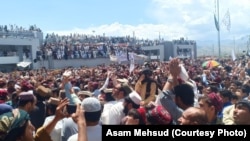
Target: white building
19,47
176,48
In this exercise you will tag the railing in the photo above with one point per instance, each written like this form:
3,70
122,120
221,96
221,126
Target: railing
16,34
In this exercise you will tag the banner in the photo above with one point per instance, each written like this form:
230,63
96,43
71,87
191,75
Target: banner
23,64
127,56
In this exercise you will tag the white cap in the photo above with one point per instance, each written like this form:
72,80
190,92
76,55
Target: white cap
53,101
85,86
26,77
86,93
123,80
17,86
108,90
135,97
31,91
91,104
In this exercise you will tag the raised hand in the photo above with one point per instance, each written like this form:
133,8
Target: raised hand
174,67
78,116
59,109
142,77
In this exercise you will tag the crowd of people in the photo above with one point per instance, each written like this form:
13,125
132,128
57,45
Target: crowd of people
57,104
14,30
76,46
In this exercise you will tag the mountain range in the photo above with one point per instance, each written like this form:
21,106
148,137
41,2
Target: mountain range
211,47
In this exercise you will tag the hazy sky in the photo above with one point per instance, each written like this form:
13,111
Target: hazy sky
172,19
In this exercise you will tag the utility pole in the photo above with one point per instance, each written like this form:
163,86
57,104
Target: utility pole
159,36
213,51
248,43
218,15
234,45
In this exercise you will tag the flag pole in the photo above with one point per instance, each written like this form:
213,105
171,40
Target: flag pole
219,28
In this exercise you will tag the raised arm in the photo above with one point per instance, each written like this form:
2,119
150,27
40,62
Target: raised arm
43,133
105,85
175,70
79,119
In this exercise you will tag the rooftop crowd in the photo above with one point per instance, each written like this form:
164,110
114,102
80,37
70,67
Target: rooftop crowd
82,46
14,30
75,46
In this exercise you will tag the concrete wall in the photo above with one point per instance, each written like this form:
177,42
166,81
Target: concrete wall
57,64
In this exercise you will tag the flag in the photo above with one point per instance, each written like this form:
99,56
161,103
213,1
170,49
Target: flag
227,21
183,74
233,55
239,65
132,63
113,58
216,23
170,58
132,67
128,55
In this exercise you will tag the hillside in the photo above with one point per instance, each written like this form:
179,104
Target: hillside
210,47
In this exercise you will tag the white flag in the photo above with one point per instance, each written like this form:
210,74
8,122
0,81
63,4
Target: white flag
113,58
183,74
132,66
227,21
239,65
132,63
233,56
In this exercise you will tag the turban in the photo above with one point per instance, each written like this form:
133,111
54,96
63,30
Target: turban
216,101
12,123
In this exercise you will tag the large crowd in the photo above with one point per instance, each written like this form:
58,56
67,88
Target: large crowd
73,103
175,92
